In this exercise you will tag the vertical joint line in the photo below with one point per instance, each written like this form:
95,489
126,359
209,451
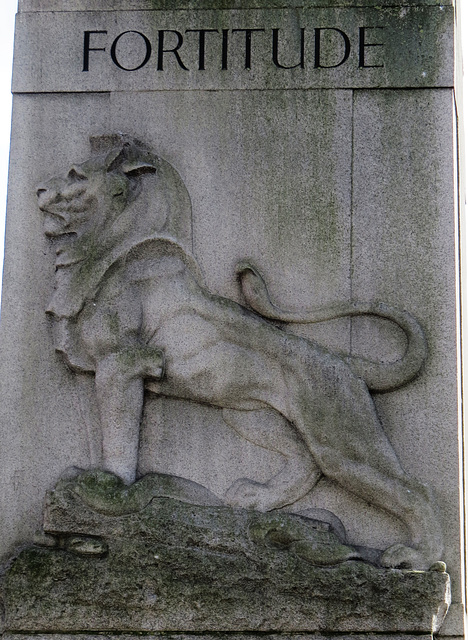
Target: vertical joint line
351,230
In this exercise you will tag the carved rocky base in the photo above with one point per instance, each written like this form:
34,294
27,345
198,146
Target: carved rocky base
166,556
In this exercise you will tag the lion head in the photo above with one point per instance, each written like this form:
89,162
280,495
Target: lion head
123,193
122,196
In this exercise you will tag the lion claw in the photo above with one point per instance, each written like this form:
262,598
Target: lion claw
249,494
399,556
86,546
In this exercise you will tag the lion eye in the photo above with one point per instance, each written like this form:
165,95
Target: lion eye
76,176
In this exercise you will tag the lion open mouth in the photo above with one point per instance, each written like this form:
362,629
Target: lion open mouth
56,222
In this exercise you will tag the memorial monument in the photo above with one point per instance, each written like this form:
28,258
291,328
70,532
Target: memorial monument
230,353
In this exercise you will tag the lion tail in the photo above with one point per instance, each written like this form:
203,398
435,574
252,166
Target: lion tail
379,376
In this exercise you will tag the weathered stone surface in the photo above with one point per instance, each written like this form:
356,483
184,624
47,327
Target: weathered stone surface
387,134
141,586
125,5
315,186
211,636
34,404
403,47
55,427
453,624
176,565
121,225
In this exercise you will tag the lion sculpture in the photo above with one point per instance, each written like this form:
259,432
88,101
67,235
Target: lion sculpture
130,307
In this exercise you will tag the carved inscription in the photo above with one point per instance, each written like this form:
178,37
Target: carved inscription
319,47
226,50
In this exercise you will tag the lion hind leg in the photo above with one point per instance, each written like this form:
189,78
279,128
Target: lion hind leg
270,430
397,493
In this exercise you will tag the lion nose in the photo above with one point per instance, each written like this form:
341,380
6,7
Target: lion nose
41,190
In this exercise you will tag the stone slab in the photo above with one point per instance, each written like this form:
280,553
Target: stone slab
367,47
145,587
155,5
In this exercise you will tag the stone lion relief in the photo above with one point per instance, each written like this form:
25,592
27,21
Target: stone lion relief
130,308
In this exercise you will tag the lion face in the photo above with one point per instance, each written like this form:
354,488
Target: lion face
81,207
123,194
71,204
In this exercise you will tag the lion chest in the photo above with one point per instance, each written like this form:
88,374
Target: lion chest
109,323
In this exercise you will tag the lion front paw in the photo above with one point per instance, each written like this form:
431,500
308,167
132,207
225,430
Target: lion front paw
249,494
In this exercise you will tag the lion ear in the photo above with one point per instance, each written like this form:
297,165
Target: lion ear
137,168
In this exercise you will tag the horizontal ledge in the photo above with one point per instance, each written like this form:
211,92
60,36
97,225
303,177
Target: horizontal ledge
36,6
282,89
